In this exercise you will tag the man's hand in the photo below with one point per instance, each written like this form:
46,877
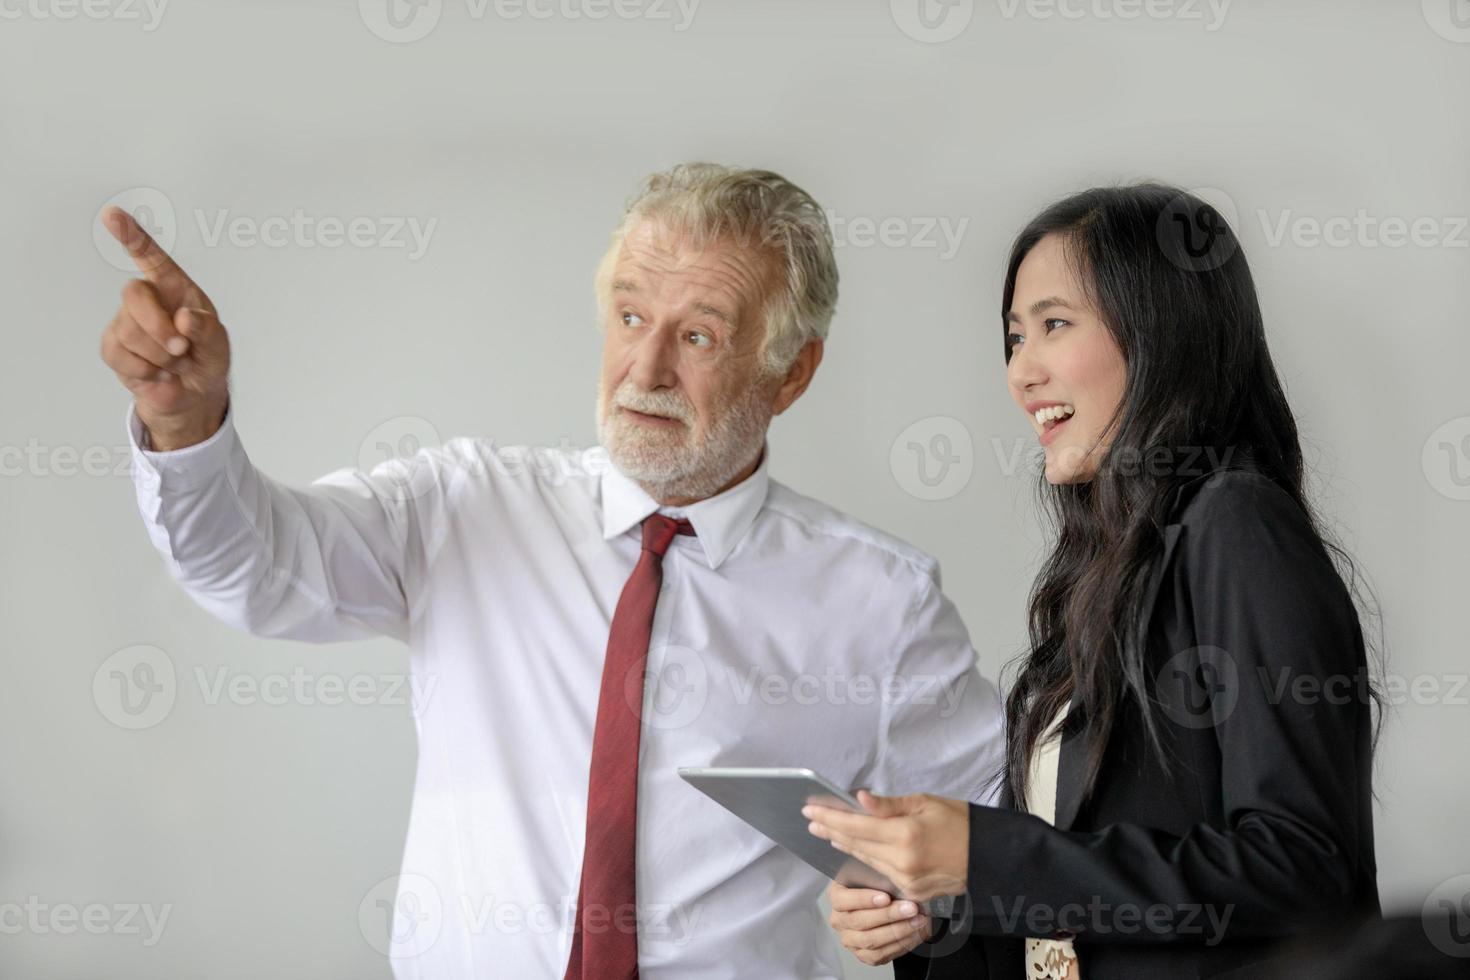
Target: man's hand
166,344
873,926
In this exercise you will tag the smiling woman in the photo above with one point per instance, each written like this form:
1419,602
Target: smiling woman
1165,812
1063,366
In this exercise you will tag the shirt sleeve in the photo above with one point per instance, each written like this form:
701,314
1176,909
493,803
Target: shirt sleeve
340,559
942,730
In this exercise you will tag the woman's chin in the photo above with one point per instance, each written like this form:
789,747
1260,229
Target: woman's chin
1063,467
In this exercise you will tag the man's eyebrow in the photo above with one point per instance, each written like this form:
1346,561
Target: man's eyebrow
629,286
1038,306
717,313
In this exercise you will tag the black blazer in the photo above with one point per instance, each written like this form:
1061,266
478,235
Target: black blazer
1264,829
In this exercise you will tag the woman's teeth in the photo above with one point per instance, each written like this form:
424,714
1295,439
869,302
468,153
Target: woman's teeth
1052,414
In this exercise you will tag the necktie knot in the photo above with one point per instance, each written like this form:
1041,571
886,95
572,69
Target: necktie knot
659,531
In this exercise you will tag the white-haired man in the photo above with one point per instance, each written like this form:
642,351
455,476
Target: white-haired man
590,628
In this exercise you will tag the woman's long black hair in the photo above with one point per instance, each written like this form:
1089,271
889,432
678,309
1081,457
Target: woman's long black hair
1170,281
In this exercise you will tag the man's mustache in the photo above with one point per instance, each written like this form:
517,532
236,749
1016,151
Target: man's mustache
668,406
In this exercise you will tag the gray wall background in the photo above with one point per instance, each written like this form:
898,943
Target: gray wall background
260,828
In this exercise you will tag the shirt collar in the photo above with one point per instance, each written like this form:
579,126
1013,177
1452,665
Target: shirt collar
719,521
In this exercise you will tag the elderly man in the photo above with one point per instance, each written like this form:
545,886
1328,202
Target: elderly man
589,628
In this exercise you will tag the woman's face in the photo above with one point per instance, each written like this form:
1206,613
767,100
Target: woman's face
1064,363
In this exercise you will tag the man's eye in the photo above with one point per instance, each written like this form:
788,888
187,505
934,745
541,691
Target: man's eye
700,340
629,318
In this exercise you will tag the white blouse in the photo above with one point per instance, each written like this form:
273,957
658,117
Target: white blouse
1047,959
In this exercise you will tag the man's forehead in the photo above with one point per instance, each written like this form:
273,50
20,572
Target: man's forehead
659,257
659,241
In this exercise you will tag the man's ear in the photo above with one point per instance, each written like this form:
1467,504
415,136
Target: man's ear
799,376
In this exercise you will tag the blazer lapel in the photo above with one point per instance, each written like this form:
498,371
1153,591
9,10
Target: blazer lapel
1072,758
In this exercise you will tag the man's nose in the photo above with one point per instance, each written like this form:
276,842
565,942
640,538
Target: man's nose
656,358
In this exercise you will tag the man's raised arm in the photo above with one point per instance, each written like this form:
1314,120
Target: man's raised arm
336,560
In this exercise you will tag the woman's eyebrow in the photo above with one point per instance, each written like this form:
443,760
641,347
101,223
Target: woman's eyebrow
1038,306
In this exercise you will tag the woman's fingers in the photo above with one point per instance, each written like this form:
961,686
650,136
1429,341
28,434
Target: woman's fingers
873,925
845,899
878,957
876,927
869,916
885,806
854,826
878,856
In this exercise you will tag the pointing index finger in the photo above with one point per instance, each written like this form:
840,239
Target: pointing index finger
147,254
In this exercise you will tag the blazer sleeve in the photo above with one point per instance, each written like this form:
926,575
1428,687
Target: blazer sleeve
1266,597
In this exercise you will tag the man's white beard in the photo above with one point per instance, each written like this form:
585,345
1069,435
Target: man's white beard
674,463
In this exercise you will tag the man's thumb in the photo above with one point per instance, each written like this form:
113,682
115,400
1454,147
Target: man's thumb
200,327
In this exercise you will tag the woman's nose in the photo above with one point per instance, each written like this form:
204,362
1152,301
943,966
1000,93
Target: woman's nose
1024,369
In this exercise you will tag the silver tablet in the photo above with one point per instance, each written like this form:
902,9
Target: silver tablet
770,800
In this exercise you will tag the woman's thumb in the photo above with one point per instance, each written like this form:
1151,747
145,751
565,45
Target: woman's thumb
880,806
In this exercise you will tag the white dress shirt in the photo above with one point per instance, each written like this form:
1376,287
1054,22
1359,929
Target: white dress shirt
786,634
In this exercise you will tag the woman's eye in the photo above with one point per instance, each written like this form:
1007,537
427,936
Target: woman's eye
1053,320
1012,339
629,317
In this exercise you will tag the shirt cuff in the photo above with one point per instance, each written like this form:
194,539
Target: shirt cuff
180,469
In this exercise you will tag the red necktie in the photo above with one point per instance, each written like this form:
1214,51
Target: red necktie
605,937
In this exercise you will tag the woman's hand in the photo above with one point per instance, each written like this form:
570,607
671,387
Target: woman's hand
873,926
921,842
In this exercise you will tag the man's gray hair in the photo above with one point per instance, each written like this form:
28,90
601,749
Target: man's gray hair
757,208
